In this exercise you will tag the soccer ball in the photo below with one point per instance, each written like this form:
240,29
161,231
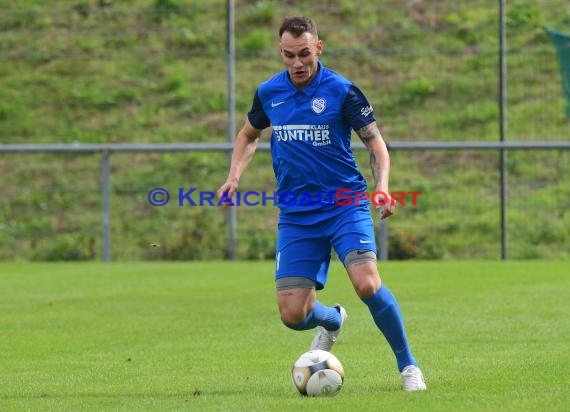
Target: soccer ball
317,373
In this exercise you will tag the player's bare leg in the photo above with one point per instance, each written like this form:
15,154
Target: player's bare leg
295,304
300,310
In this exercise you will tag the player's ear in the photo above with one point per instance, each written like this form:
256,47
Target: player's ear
319,47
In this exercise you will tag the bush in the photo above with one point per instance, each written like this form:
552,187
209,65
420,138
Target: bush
416,91
402,245
256,41
260,13
202,236
259,245
66,247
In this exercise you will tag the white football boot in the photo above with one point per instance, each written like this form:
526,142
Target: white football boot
325,339
412,379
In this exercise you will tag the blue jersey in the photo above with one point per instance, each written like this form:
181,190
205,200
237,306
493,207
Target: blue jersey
310,143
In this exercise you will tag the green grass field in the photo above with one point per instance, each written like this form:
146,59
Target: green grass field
489,336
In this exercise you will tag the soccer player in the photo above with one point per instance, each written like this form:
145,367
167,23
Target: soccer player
312,111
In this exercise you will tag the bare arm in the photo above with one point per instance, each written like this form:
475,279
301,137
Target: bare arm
379,163
244,148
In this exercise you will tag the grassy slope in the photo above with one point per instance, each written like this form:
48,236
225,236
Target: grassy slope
132,74
489,336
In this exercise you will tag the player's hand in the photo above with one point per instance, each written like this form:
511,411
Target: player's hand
227,190
386,205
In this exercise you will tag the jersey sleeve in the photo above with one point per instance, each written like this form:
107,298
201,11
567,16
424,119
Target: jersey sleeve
356,109
256,115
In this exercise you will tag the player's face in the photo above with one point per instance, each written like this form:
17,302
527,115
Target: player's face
301,56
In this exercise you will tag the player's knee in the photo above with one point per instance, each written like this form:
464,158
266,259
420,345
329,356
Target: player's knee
294,296
366,288
364,276
292,316
366,285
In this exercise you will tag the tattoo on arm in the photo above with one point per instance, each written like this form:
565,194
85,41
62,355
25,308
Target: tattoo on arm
366,134
375,167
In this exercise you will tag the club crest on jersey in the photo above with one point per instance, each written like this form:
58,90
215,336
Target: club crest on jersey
318,105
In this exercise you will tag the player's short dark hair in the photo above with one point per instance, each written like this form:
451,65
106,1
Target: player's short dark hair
298,25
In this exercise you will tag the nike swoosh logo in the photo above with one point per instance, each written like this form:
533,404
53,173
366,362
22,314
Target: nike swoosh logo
362,252
365,241
276,104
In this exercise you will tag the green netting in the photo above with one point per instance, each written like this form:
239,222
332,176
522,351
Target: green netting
562,44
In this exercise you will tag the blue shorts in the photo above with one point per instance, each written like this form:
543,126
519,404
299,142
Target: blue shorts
305,240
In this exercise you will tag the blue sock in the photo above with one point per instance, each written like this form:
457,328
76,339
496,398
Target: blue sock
387,316
320,315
